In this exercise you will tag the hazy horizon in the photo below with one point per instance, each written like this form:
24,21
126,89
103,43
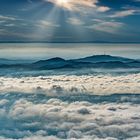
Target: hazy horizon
37,51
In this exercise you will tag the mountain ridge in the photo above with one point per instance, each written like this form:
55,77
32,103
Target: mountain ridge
94,61
103,58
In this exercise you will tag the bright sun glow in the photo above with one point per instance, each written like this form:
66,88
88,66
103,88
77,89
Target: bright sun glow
63,3
74,5
67,4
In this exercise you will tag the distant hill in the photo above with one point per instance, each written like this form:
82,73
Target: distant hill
103,58
95,61
50,63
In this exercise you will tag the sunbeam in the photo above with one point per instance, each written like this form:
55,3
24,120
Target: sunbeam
51,21
69,69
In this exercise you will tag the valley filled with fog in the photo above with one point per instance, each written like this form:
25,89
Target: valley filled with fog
68,104
72,96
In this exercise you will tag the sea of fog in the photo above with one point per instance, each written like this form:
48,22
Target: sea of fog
85,104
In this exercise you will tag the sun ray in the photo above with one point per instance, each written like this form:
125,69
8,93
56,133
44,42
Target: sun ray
51,20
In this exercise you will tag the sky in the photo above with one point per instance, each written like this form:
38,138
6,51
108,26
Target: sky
70,20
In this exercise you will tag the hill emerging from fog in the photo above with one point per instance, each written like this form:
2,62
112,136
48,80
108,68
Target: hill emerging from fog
103,58
95,61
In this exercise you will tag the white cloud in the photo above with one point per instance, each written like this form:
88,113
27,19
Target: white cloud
123,13
44,23
63,107
7,18
103,9
80,6
75,21
107,26
72,84
74,5
57,119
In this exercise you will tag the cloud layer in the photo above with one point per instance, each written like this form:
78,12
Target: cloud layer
54,119
73,107
100,84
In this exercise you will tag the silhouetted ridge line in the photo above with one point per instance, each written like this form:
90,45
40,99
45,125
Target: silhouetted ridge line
94,61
